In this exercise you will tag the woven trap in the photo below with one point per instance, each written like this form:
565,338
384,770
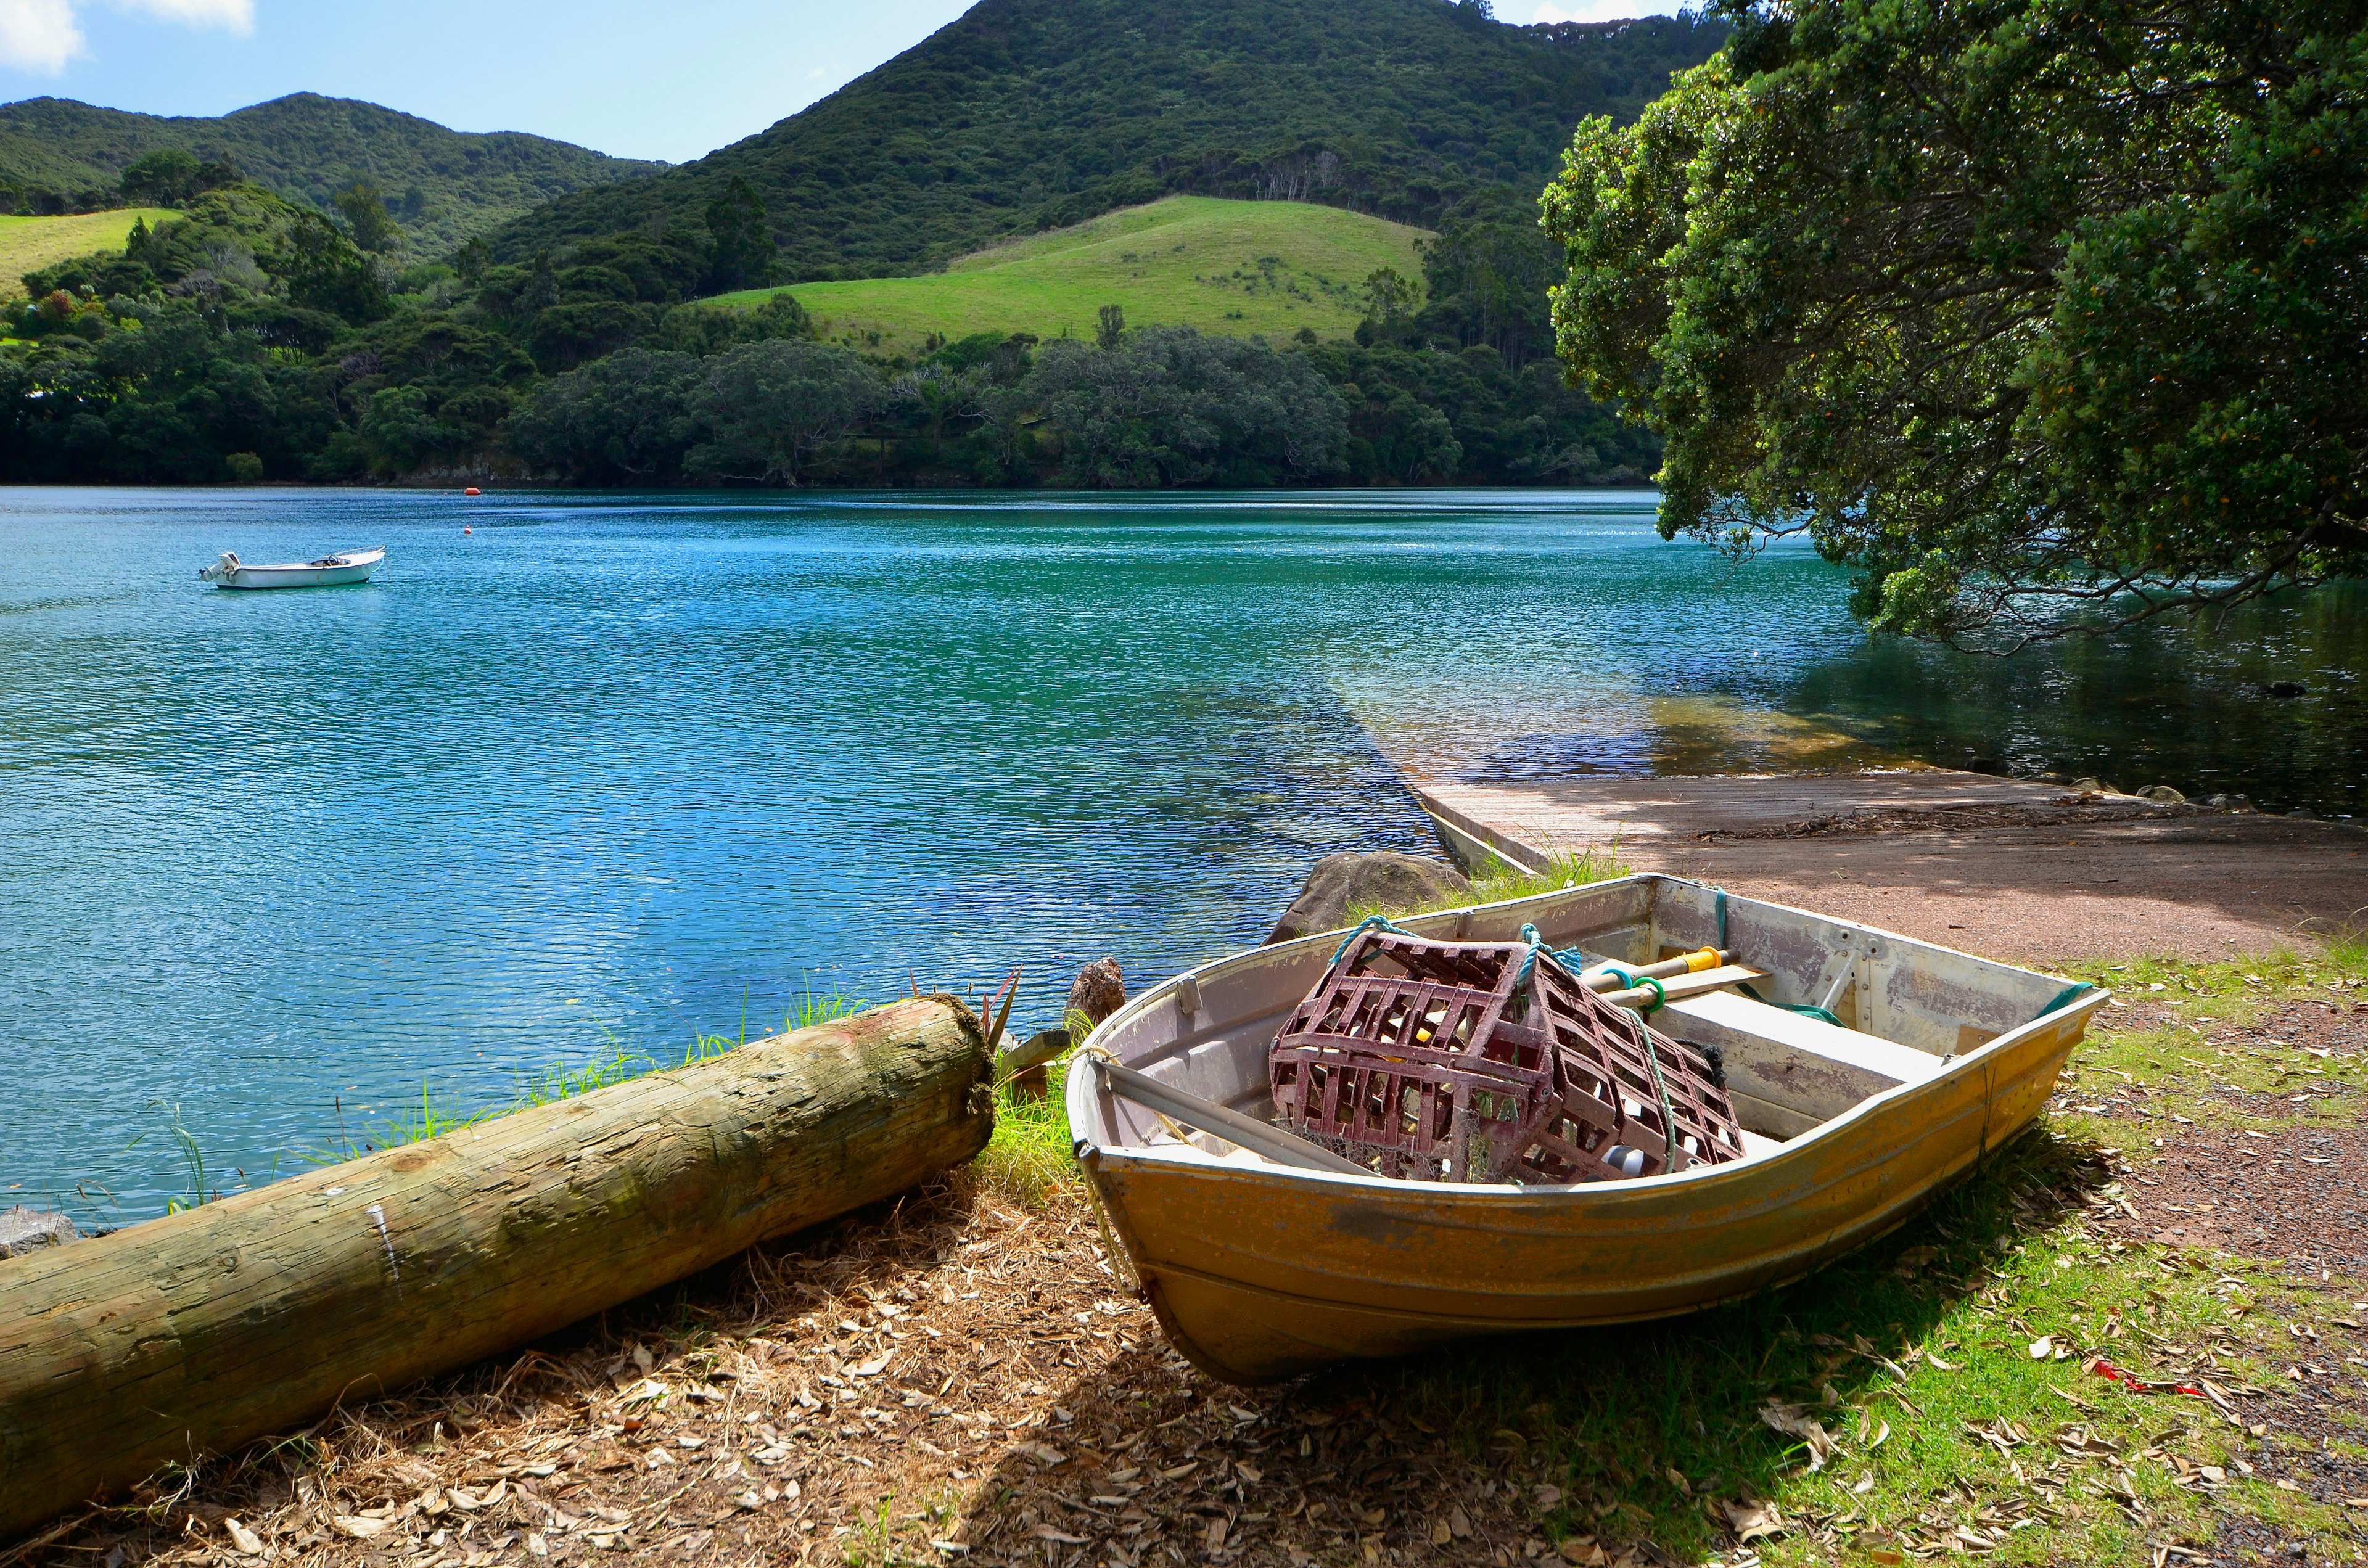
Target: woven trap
1443,1062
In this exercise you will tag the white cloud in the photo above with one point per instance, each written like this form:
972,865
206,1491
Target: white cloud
1601,10
237,15
43,35
38,35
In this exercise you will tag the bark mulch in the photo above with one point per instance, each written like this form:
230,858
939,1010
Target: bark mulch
957,1378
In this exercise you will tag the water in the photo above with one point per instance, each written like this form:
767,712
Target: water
613,772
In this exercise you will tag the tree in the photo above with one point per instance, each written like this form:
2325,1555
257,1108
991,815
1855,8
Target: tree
770,409
623,419
2042,313
1169,406
740,240
1389,299
171,176
364,207
1112,330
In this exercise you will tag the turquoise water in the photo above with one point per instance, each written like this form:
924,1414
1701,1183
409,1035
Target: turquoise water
609,770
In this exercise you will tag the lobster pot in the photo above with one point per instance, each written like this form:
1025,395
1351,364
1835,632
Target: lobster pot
1487,1061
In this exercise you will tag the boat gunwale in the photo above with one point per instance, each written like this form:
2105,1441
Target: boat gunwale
342,561
1090,1151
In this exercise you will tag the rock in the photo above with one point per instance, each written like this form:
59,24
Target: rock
2089,786
1099,991
2162,795
1385,879
2051,778
2305,813
2228,802
22,1230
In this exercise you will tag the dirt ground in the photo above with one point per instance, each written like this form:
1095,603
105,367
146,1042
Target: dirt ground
2027,873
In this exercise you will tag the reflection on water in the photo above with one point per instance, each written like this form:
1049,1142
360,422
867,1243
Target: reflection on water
2187,704
612,769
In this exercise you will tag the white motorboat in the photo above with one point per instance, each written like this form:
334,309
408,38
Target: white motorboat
330,571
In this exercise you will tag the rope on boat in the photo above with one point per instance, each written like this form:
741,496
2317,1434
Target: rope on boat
1806,1009
1374,923
2065,998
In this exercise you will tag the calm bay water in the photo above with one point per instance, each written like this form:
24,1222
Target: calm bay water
611,769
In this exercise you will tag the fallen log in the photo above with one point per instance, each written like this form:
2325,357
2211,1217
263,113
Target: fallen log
252,1315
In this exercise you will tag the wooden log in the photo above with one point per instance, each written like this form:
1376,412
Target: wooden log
193,1333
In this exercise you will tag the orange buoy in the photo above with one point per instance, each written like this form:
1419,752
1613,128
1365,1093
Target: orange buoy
472,490
468,530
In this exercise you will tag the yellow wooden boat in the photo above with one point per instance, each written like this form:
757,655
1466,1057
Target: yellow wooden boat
1264,1256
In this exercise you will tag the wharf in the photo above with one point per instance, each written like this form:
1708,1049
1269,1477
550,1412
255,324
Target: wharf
2012,868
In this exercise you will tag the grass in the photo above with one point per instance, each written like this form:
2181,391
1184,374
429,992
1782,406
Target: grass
1914,1359
1500,879
29,243
562,1082
1905,1373
1236,268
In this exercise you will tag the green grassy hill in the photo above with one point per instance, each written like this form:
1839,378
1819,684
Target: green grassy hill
1024,115
1230,266
443,186
28,243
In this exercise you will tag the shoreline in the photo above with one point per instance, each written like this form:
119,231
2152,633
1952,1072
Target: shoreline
2019,870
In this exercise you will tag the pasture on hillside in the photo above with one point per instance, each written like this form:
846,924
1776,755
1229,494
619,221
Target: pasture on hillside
29,243
1236,268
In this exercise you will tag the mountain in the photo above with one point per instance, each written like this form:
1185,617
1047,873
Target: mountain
442,186
1025,115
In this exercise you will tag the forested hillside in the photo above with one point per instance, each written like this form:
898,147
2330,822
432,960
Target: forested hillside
255,337
1031,114
440,185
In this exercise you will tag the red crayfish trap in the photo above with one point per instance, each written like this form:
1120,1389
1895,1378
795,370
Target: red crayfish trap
1489,1061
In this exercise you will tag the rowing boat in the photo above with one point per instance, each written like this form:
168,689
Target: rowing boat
329,571
1262,1262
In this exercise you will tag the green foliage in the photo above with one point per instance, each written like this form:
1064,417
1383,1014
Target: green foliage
2023,309
622,420
171,176
364,207
768,409
1430,414
58,155
1168,406
1389,300
740,241
1030,1155
1031,114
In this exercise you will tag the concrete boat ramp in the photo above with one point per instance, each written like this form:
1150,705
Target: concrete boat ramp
2014,869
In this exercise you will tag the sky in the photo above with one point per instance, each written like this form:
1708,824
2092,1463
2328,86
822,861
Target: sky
671,81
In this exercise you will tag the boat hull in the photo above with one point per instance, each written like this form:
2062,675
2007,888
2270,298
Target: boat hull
349,570
297,577
1260,1272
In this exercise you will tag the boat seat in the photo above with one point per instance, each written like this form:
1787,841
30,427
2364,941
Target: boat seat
1787,1071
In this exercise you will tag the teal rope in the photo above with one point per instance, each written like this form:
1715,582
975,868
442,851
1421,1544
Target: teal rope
1373,921
2069,994
1670,1148
1636,981
1805,1010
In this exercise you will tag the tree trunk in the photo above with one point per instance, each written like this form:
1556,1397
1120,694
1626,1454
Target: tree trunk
248,1316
